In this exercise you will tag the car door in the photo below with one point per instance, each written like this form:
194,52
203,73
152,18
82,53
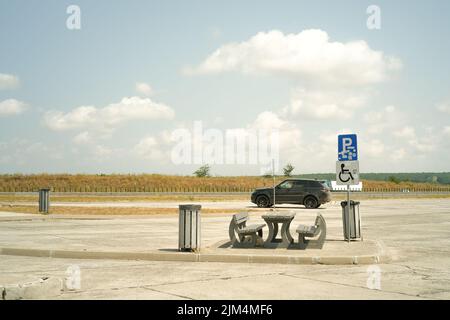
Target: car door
298,192
282,191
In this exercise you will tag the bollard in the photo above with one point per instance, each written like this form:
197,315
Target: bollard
189,227
44,200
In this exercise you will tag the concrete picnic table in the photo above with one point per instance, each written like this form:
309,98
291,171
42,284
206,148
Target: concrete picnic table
273,219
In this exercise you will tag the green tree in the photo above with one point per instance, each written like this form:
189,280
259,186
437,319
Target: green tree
203,171
393,179
288,170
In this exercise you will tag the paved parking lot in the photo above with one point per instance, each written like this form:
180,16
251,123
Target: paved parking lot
416,234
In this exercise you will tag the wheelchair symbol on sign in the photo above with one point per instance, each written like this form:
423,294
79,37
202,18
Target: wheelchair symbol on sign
345,172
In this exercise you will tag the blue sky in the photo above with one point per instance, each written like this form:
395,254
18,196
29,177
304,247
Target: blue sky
49,71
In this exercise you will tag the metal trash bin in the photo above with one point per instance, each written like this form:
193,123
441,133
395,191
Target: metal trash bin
351,225
189,227
44,200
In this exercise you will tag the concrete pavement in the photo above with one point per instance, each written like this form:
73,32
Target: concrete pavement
415,232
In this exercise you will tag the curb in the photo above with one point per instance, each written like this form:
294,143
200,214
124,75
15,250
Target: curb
196,257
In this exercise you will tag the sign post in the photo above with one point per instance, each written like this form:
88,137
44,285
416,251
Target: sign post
348,213
347,167
273,177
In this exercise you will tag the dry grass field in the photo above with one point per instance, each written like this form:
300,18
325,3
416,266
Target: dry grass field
167,183
6,198
129,183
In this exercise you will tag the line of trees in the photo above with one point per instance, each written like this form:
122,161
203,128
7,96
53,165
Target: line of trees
205,171
423,177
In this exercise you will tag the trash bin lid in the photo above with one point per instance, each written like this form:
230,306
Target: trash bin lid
352,203
190,207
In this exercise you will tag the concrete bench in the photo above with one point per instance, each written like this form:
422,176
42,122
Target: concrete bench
243,235
319,229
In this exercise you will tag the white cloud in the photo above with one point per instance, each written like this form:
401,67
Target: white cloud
148,148
444,107
28,154
335,76
386,118
263,129
289,134
446,130
8,81
268,120
83,138
102,153
374,148
144,88
153,147
128,109
375,117
78,118
11,107
406,132
398,154
424,143
314,104
309,54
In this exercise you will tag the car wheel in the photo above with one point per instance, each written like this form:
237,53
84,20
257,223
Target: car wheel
311,203
262,202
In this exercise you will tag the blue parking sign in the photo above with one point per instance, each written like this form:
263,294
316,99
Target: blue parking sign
347,147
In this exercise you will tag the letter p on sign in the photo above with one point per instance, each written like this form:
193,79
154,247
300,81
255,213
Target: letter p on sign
346,142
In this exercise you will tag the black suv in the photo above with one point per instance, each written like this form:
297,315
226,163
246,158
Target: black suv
310,193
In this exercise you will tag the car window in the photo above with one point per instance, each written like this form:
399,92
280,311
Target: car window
315,184
286,185
325,184
299,183
307,183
